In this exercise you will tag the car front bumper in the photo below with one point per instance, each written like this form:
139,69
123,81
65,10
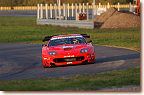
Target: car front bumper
68,59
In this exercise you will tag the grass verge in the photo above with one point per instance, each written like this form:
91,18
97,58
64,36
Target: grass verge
25,30
87,82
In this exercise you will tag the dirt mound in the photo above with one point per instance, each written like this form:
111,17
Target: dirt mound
122,20
104,16
114,19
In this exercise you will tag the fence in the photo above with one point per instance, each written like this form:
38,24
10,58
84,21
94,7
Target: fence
97,9
90,7
67,15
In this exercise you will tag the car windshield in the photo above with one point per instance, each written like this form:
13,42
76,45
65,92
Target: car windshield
64,41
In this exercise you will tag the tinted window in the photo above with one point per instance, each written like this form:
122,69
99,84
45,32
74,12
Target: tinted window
63,41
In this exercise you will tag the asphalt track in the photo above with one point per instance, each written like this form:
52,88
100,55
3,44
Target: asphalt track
23,61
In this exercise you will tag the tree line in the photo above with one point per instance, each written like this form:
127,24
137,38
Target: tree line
35,2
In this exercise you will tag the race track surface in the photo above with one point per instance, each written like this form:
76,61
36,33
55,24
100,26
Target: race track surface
23,61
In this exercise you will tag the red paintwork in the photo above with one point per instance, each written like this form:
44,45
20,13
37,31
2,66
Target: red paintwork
138,7
66,52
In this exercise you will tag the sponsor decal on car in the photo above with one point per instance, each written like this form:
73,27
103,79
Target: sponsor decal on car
69,62
68,46
65,37
69,56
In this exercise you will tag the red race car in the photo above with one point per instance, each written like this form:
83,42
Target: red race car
67,49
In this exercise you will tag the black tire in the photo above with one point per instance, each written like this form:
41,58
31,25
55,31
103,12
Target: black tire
93,62
44,66
47,66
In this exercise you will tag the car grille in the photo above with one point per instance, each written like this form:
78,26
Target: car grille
71,59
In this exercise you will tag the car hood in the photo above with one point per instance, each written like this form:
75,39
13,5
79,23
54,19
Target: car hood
67,49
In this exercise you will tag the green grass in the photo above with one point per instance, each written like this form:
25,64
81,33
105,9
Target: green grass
75,83
25,30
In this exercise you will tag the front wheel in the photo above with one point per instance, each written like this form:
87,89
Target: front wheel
47,66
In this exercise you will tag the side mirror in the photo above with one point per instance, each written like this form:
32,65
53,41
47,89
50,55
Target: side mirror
44,44
90,41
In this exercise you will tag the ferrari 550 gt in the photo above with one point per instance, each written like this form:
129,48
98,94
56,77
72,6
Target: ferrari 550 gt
67,49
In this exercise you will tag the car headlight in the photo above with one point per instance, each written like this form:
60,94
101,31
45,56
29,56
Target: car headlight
84,51
52,53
